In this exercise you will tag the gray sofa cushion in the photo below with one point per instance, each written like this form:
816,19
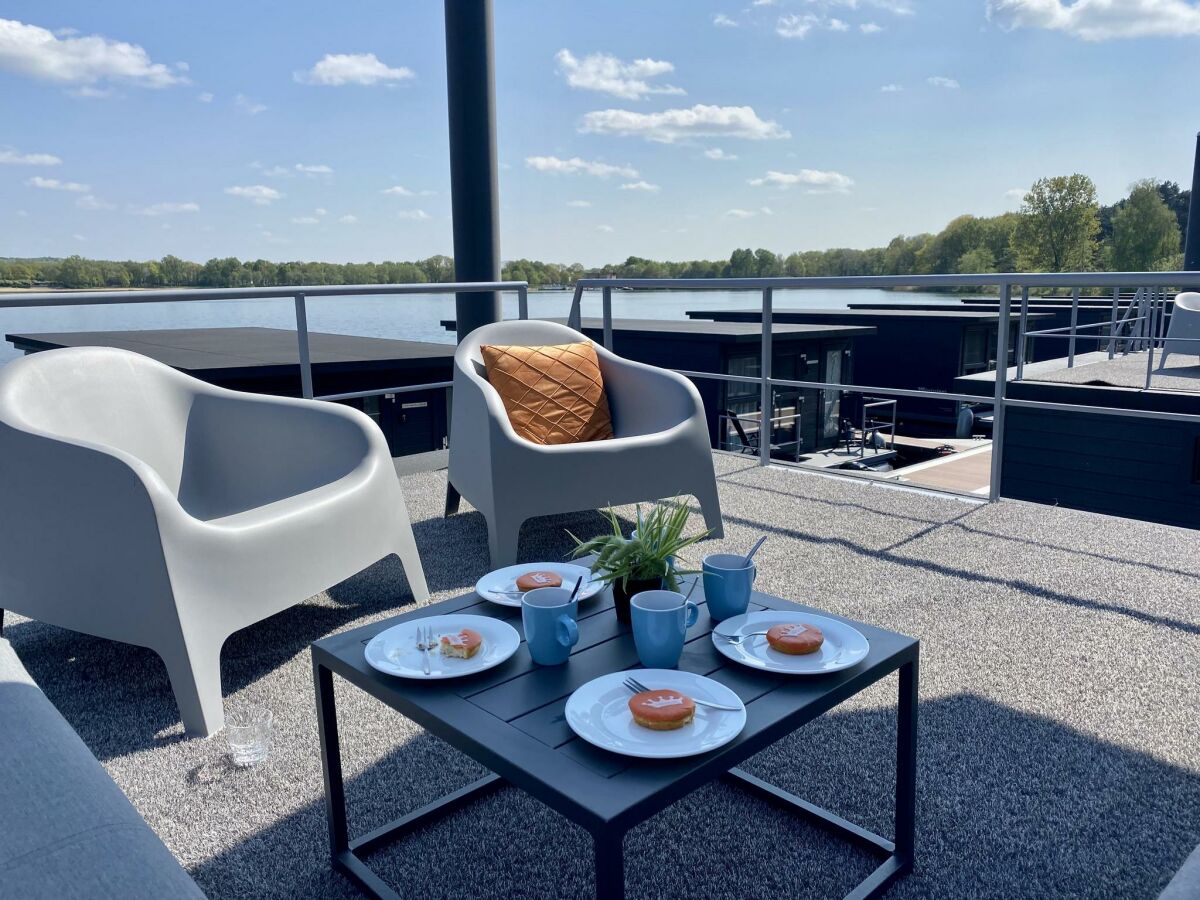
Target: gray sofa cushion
1186,883
67,831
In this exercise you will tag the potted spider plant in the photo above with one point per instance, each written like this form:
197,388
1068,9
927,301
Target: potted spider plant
646,561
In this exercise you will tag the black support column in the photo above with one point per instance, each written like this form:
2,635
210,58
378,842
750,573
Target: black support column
475,199
1191,244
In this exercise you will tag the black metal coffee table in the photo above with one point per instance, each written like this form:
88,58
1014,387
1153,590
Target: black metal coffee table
510,719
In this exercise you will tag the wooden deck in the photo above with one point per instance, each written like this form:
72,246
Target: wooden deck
967,472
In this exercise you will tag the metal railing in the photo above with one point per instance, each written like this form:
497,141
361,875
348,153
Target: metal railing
1005,283
1147,313
300,297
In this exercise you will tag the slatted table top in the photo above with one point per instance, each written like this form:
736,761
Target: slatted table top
511,718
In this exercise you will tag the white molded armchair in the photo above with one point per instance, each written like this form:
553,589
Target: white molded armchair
660,448
145,506
1185,323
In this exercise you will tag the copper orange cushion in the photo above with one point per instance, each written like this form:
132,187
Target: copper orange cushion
553,394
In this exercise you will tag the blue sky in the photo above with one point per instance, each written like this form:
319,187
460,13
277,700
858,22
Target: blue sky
661,128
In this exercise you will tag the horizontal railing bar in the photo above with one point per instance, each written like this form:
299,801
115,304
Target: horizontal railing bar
1158,415
186,295
992,279
1077,327
406,389
895,392
740,379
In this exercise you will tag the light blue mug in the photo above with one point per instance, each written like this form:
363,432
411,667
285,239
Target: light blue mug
728,582
549,616
660,622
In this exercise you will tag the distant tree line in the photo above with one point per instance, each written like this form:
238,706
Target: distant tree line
1060,227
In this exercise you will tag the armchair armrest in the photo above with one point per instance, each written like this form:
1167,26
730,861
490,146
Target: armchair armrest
644,399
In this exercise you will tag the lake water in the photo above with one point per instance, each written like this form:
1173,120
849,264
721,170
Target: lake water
415,317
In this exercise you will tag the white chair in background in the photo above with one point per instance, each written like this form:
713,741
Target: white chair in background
145,506
660,446
1185,323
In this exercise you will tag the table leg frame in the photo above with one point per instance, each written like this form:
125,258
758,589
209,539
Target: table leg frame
899,854
609,844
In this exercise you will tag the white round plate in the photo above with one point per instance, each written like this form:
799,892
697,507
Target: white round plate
844,646
394,651
490,586
599,713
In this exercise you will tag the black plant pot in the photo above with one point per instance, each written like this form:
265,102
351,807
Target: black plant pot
623,592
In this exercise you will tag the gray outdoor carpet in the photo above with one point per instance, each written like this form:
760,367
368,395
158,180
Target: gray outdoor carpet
1058,720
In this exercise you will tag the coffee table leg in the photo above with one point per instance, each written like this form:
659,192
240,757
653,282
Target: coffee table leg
906,764
610,865
331,761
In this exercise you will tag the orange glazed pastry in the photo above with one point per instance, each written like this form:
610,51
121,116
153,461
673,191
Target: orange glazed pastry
463,644
795,638
532,580
662,710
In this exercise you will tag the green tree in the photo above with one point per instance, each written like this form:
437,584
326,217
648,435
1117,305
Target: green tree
1058,226
1145,230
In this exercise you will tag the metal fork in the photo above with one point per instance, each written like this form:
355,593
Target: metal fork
738,638
426,641
637,687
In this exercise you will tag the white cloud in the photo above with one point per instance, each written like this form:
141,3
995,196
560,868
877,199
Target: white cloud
414,214
91,202
575,165
87,92
641,186
41,54
53,184
248,106
10,157
314,169
1016,194
795,25
205,97
892,88
718,154
348,219
337,69
765,3
165,209
723,21
899,7
817,180
321,211
677,124
579,204
870,28
397,190
766,210
941,81
607,74
837,25
739,213
1100,20
80,238
260,194
608,229
305,220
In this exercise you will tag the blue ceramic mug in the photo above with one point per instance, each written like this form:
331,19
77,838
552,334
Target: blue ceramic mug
660,622
728,582
549,616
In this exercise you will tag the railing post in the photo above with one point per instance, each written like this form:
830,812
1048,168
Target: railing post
523,303
1112,324
575,316
1150,322
1021,333
1074,327
767,396
999,397
606,317
306,379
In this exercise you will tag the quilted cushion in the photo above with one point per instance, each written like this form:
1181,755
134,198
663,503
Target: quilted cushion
553,394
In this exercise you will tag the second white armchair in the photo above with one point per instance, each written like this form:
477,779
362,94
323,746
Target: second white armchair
660,448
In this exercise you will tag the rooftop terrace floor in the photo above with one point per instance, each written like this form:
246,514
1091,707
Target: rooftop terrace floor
1058,731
